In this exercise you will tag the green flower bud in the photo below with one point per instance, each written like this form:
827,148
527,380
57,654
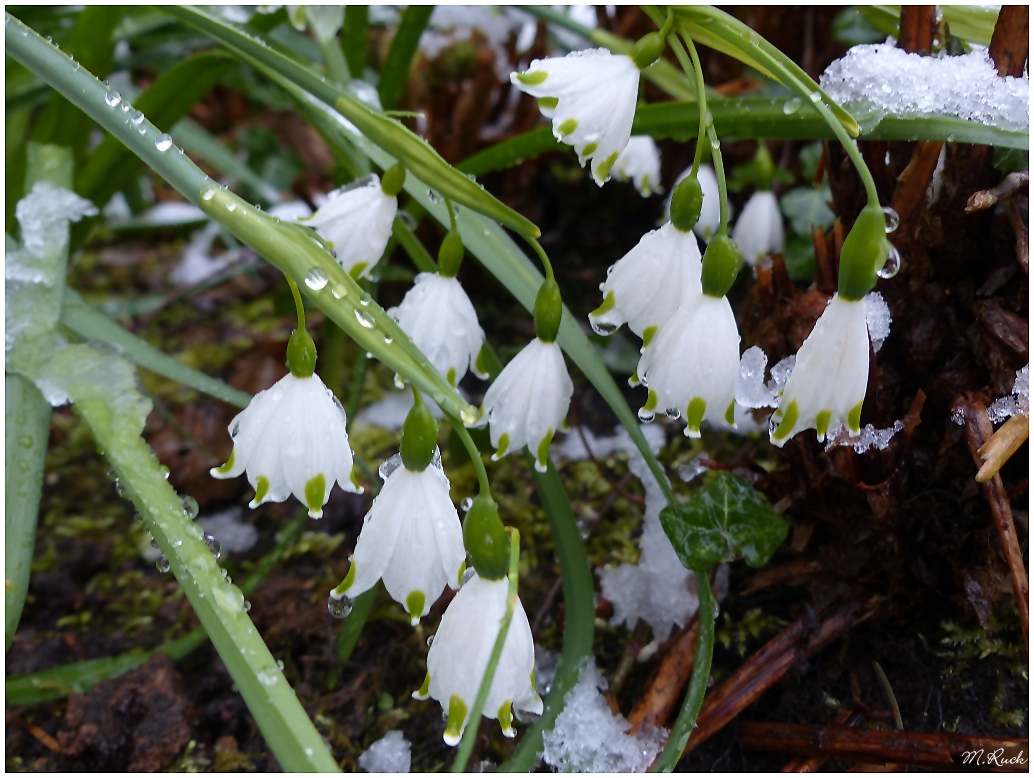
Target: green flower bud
486,540
686,201
548,310
301,354
764,168
393,179
864,252
419,436
647,50
720,266
450,254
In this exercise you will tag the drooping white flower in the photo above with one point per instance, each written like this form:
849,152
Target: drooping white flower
710,209
356,221
759,230
411,539
437,314
649,283
590,95
640,163
528,401
693,362
459,657
291,439
827,385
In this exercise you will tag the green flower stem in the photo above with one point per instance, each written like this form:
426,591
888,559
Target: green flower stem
470,733
334,59
299,306
546,264
26,431
218,604
686,721
475,455
352,625
698,72
452,214
719,174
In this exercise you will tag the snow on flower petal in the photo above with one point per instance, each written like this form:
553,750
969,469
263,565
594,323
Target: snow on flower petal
356,221
759,230
649,283
291,439
640,163
529,401
591,96
459,657
411,539
693,363
827,386
440,319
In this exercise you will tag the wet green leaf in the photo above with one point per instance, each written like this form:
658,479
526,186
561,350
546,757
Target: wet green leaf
723,520
806,207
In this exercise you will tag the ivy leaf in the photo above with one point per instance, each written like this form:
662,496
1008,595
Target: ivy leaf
723,520
806,207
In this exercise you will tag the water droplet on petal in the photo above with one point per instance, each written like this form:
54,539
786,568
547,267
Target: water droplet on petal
645,415
604,328
163,142
316,279
112,99
339,607
892,265
673,413
890,217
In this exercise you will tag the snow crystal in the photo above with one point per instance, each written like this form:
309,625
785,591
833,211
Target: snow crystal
390,754
197,263
573,447
877,319
695,467
545,669
588,738
869,437
234,536
1017,402
451,24
751,389
390,412
877,80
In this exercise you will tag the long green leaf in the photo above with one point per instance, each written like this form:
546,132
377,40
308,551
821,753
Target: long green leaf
91,324
395,73
353,38
165,102
401,144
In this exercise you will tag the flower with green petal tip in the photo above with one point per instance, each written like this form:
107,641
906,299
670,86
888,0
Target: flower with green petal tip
827,385
411,539
356,220
640,163
693,362
439,318
590,95
759,230
650,282
291,439
459,657
528,401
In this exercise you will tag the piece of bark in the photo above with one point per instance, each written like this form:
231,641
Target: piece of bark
667,685
918,749
1002,445
917,28
1010,40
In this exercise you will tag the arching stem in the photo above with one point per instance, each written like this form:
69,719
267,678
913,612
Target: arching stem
472,451
547,266
299,306
698,73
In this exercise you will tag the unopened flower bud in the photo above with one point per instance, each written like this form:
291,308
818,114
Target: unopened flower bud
548,311
486,540
721,265
393,180
419,436
686,202
864,252
450,254
301,354
647,50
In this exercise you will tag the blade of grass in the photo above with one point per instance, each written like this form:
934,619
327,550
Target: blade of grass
353,38
91,324
395,73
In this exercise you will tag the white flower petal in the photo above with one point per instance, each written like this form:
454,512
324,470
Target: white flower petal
440,319
640,163
651,281
830,375
596,93
358,224
759,230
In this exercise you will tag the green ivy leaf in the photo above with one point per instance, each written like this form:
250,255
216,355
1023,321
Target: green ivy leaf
806,207
725,519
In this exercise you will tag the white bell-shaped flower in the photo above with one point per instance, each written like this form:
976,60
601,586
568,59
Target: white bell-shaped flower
529,401
438,316
827,385
591,96
710,207
759,230
411,539
356,222
459,657
640,163
649,283
291,439
692,365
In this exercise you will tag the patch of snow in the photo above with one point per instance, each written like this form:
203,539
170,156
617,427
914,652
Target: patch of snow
877,80
877,319
1017,402
573,447
197,263
234,536
588,738
751,389
545,669
694,468
868,438
390,412
390,754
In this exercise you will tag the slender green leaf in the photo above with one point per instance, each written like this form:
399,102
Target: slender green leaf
971,22
725,519
89,323
413,247
352,626
395,74
353,38
165,102
26,431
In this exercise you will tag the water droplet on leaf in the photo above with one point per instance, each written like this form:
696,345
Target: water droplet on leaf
163,142
112,99
316,279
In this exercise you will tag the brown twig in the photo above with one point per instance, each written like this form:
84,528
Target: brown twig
1002,445
666,687
1012,210
812,764
35,731
919,749
1012,184
978,431
1011,40
917,28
